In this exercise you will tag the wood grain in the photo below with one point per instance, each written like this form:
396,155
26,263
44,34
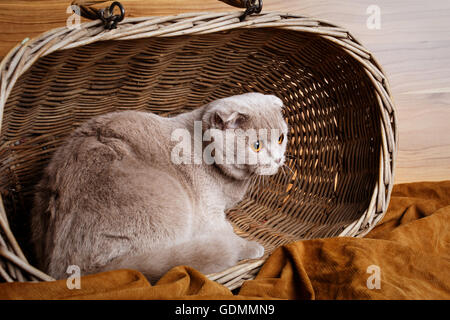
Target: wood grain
412,45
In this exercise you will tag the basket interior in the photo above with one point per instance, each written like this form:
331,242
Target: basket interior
331,108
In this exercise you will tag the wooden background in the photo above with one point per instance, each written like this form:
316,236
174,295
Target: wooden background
412,45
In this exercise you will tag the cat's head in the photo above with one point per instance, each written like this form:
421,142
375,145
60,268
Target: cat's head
248,134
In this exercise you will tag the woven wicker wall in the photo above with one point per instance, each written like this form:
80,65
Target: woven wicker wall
330,106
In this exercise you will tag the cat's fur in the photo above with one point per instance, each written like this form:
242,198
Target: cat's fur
112,198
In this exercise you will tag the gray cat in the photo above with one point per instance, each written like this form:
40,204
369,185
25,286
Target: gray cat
115,195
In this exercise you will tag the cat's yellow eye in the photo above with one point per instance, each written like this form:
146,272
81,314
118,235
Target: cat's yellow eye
256,146
281,138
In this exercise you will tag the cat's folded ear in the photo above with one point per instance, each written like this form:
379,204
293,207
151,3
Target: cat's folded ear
276,101
222,119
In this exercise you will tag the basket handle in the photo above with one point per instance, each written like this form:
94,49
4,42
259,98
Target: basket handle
251,6
110,20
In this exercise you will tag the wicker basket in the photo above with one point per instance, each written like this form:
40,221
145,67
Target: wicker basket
342,144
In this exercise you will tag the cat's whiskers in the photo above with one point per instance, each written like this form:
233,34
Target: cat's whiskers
285,165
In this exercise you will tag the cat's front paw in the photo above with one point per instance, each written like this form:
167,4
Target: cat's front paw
252,250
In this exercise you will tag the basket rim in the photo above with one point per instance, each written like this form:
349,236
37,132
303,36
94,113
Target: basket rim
23,55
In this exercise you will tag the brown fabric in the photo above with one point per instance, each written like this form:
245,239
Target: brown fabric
410,246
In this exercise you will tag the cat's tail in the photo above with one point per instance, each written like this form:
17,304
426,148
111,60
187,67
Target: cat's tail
41,214
204,256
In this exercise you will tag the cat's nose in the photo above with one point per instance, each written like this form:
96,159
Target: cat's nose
278,161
